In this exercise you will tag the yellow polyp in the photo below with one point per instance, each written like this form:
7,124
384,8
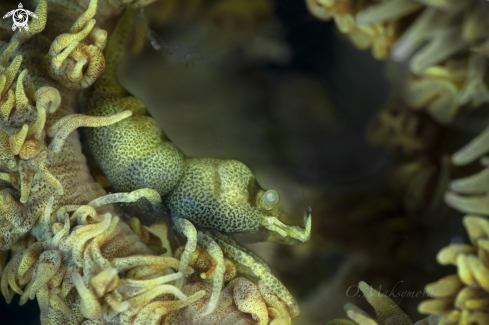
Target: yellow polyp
42,296
139,230
147,296
438,94
5,56
12,179
80,52
279,307
48,98
444,108
95,67
80,235
46,218
474,86
104,281
47,266
131,287
30,148
38,126
190,233
473,204
151,195
477,228
63,232
56,228
448,255
11,73
445,43
388,313
445,287
474,184
435,306
46,174
450,318
29,258
26,179
386,11
17,139
249,300
478,317
85,17
59,59
82,214
473,150
58,303
64,211
483,244
358,315
480,303
77,72
230,272
22,94
145,312
216,253
479,271
466,294
99,37
345,23
8,279
90,306
96,253
6,155
64,40
118,306
464,270
3,80
7,105
64,126
24,297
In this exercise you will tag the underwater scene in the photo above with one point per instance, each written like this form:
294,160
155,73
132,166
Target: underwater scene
232,162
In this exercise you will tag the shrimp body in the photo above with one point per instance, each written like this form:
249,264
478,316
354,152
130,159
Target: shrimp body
207,197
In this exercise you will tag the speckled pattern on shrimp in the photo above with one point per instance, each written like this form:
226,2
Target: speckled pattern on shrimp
211,194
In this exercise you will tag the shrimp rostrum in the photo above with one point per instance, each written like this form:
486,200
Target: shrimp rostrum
208,198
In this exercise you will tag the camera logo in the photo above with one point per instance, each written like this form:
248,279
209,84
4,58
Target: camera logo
20,17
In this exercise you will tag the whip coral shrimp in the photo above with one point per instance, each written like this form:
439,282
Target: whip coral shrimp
208,198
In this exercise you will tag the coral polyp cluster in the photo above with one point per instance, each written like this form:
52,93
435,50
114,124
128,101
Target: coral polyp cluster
463,297
364,32
469,194
443,41
75,57
41,153
442,90
113,272
438,52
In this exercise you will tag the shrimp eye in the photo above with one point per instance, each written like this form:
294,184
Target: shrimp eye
270,199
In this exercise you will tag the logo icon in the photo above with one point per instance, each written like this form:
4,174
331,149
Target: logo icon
20,17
